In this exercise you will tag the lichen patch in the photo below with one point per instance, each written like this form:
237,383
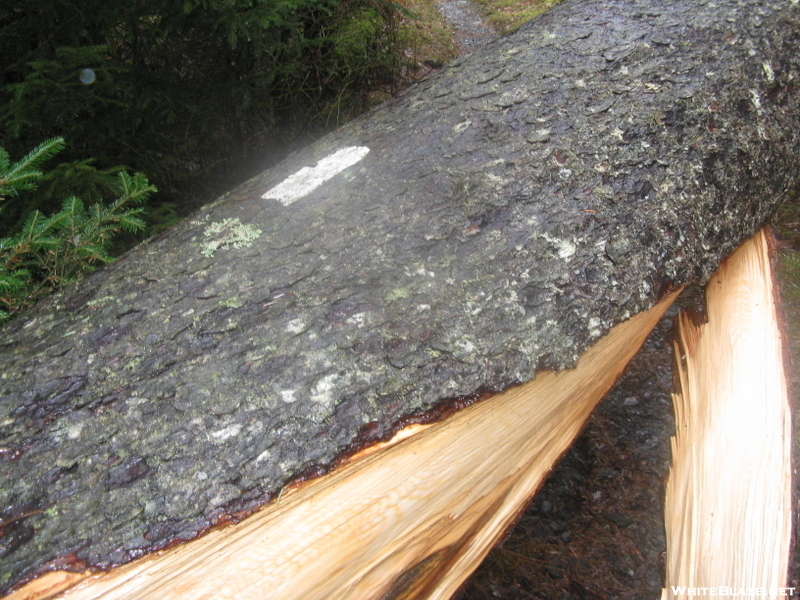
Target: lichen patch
228,233
226,433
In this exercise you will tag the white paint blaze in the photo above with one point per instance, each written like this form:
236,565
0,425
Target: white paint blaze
308,179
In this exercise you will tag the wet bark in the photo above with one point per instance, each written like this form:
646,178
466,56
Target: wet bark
510,210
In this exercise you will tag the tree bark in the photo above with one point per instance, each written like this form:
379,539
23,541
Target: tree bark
407,521
496,219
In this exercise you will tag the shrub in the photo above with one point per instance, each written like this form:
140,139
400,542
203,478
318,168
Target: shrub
49,251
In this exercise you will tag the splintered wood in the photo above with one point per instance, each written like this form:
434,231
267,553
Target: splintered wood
411,520
728,506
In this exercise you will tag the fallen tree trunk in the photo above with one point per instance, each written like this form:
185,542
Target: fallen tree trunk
495,220
411,520
729,495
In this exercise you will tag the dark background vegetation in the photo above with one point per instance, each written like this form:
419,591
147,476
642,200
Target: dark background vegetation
196,94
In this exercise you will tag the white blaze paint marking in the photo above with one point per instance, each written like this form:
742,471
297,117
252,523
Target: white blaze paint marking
308,179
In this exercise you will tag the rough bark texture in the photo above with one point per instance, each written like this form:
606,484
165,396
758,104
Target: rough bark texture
511,209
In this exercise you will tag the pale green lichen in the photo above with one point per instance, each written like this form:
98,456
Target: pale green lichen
603,191
397,294
228,233
233,302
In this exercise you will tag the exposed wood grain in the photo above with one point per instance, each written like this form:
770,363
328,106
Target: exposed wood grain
728,508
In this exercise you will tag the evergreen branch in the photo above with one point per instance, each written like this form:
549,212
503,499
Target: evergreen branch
24,174
14,280
48,252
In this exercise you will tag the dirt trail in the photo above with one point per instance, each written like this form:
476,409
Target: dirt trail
469,29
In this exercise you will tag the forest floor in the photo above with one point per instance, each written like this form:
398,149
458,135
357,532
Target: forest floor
595,529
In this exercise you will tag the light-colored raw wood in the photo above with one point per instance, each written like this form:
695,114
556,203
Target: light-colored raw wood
49,584
728,506
411,520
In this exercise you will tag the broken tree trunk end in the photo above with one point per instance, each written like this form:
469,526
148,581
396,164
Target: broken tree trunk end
728,509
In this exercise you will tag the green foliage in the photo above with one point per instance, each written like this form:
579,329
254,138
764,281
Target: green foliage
25,174
48,188
198,94
48,252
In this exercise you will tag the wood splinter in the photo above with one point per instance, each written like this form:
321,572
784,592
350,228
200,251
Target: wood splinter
728,508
